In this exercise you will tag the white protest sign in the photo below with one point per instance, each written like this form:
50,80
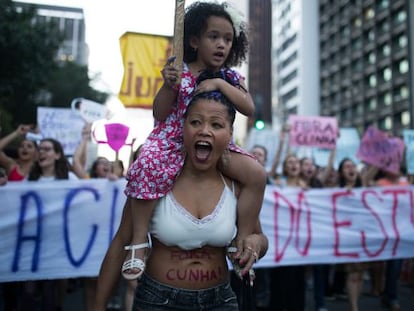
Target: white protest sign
89,110
347,146
61,124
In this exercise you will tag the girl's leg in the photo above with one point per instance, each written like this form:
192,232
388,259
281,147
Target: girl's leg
141,213
252,177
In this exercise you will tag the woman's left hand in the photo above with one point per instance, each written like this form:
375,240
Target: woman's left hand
251,252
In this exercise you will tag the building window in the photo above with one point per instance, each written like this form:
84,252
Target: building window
402,41
68,29
372,80
383,4
384,26
405,118
386,123
403,66
387,99
360,109
357,22
372,104
400,17
369,13
356,44
345,32
371,35
387,74
404,92
372,58
386,50
357,65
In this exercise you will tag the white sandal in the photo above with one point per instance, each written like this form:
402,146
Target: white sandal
134,263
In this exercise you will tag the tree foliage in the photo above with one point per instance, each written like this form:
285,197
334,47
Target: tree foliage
69,81
30,75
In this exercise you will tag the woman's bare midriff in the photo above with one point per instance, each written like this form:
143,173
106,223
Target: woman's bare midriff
189,269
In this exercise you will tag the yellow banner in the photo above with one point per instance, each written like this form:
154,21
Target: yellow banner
143,56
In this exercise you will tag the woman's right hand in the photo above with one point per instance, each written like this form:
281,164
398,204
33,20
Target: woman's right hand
23,129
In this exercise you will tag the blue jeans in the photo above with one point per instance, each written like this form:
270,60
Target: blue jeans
320,275
151,295
392,276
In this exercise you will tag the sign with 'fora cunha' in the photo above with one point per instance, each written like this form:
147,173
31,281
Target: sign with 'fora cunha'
313,131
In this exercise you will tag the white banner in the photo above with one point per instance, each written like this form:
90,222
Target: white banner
337,225
58,229
63,229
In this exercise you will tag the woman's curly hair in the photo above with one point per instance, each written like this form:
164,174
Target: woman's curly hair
195,23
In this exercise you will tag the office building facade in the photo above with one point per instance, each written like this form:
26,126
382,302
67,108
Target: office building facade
366,53
71,23
295,54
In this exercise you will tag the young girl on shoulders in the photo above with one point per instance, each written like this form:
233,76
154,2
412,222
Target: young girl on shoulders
214,41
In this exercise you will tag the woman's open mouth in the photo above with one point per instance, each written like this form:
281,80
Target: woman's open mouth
202,150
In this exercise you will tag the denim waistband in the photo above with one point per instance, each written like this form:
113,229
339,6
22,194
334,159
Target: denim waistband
186,296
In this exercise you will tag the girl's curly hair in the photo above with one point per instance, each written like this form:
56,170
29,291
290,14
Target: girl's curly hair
195,23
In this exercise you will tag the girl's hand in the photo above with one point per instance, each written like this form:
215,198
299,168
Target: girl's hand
170,73
208,85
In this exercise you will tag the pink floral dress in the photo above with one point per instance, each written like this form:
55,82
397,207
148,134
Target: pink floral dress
161,159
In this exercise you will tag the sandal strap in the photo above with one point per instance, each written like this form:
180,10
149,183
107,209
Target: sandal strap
133,263
137,246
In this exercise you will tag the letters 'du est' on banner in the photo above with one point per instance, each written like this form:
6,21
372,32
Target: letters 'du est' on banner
143,57
321,132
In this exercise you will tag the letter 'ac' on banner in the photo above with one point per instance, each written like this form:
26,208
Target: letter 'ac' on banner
143,57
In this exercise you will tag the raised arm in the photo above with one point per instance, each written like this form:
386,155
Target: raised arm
238,95
6,161
166,97
79,157
276,161
368,174
329,167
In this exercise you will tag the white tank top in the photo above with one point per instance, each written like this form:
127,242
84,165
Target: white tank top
173,225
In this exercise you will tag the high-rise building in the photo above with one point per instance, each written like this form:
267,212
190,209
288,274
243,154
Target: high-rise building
71,24
260,42
366,61
295,58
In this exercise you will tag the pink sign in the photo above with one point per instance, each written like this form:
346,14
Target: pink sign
116,135
380,150
321,132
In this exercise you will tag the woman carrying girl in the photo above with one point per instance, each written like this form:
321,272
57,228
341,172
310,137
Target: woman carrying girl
214,41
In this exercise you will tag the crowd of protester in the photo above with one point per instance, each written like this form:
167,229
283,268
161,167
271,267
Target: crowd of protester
284,288
23,159
275,288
